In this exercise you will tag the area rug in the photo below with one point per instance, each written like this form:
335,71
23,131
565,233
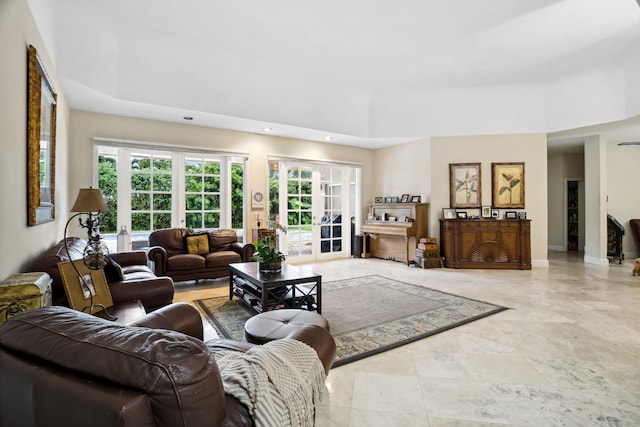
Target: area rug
368,315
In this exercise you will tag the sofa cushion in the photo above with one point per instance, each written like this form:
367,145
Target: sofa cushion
222,259
176,372
113,272
185,262
221,240
197,243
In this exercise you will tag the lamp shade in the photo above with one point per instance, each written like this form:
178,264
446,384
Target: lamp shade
90,200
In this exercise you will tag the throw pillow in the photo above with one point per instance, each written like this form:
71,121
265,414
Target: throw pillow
113,272
197,243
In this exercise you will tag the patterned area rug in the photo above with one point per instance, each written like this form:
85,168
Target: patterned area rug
368,315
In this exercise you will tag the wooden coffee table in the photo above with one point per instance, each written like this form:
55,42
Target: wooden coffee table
293,287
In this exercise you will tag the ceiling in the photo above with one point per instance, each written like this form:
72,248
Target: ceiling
314,70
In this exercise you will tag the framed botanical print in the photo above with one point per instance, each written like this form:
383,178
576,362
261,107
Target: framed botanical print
465,185
507,182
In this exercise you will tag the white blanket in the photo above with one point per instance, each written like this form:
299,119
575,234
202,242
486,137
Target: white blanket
279,382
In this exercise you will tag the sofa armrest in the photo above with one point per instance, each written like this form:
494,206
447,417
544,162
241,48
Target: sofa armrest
245,251
179,316
154,292
158,255
130,258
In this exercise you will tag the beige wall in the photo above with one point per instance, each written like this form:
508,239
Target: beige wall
85,126
530,149
20,243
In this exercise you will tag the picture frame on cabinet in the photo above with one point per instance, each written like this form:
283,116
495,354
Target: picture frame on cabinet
388,199
378,199
495,214
448,213
416,199
522,215
486,212
405,198
510,215
461,214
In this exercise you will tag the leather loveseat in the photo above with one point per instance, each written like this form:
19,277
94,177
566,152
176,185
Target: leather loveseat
138,281
211,253
60,367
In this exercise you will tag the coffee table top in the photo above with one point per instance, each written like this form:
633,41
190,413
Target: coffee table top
289,273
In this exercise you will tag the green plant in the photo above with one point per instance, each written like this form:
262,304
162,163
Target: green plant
266,253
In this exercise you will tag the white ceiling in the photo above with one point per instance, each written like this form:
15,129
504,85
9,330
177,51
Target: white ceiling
310,70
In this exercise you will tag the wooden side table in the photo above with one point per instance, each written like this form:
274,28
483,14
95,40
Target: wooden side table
22,292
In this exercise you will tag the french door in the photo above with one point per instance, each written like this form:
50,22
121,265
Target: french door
315,207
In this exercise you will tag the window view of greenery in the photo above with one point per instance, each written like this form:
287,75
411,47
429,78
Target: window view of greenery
202,193
151,183
237,196
274,191
108,183
299,213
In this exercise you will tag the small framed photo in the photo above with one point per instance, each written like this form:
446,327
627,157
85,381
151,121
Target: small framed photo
448,213
395,199
510,215
415,199
388,199
522,215
486,212
461,215
495,213
405,198
378,199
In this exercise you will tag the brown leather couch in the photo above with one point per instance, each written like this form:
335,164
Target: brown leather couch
140,282
169,254
60,367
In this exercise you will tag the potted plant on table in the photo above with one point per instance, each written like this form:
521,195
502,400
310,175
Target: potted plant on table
269,258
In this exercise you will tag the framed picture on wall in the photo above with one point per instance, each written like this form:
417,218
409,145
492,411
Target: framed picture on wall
507,182
465,186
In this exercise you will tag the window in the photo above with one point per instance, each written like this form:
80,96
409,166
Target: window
146,190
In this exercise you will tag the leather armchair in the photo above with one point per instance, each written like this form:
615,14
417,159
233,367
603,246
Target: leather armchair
60,367
140,282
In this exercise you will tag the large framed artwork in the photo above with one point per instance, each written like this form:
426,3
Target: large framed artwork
465,185
507,182
41,142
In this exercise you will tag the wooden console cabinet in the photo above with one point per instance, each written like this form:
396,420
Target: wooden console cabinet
486,243
392,230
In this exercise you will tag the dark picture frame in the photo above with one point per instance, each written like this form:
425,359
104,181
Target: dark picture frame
507,183
41,142
465,185
461,215
416,199
378,199
405,198
510,215
495,214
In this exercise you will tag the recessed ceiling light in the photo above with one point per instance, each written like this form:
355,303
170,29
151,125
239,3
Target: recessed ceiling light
266,129
329,138
188,118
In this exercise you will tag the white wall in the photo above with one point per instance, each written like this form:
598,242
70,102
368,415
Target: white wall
623,171
20,243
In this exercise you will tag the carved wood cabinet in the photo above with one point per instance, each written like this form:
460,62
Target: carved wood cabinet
484,243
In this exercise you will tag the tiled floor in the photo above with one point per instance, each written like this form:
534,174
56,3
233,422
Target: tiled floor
567,353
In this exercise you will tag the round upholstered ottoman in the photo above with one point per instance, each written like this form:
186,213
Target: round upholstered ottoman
278,324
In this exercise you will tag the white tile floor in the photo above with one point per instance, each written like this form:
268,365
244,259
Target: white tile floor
567,353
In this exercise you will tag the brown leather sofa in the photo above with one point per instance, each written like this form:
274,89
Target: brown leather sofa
140,282
168,252
60,367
